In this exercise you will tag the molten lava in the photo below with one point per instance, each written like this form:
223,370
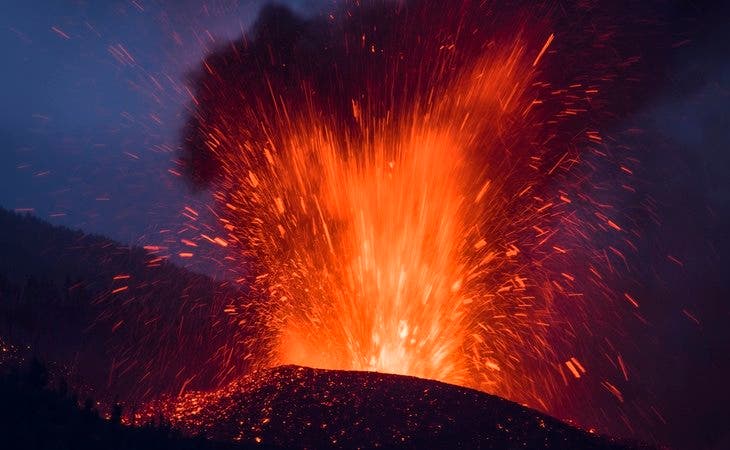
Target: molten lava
412,198
384,252
390,250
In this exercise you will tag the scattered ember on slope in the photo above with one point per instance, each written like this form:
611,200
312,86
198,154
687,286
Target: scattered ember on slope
292,406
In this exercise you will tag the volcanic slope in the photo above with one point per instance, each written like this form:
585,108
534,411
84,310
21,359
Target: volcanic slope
298,407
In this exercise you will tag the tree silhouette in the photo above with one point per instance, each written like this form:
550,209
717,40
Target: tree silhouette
35,416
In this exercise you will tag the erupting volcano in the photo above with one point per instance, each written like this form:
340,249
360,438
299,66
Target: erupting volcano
364,223
420,189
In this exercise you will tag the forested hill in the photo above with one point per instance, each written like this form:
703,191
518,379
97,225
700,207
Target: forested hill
118,317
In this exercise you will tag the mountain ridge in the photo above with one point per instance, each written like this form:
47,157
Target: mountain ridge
117,316
295,406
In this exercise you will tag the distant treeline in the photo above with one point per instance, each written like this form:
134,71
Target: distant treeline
35,415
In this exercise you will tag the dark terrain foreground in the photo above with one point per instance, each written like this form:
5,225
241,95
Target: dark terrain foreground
293,406
289,407
34,415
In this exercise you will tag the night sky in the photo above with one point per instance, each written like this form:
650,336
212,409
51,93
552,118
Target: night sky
94,101
88,136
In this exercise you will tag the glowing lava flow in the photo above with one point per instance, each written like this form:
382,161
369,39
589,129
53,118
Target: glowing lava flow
416,229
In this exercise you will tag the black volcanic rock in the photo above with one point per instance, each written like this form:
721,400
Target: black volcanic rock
298,407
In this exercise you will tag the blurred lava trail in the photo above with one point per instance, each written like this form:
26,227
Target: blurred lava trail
401,189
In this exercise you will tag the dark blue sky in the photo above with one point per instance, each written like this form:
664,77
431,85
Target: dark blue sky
93,101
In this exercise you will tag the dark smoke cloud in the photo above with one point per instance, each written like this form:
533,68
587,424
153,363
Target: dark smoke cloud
330,59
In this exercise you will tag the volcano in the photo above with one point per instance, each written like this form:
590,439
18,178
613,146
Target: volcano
298,407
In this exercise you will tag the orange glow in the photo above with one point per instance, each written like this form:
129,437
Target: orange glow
425,208
385,235
392,250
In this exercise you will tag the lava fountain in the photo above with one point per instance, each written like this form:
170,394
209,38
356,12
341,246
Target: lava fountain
406,190
383,232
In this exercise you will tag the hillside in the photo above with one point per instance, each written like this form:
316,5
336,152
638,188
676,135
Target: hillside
298,407
117,317
33,415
